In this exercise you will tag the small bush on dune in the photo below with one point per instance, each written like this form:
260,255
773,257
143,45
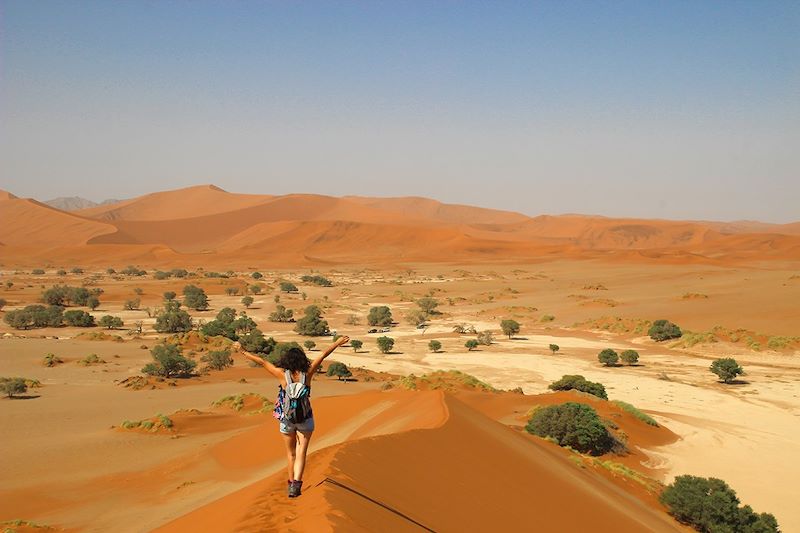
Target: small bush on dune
13,386
579,383
710,505
52,360
218,359
644,417
727,369
663,330
92,359
629,357
572,424
168,362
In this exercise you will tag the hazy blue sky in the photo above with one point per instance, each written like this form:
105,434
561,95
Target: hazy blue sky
682,109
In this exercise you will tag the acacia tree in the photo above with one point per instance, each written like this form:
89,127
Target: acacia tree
168,362
339,370
356,344
309,345
471,344
727,369
312,323
510,327
629,357
554,348
380,316
608,357
434,346
195,298
247,301
385,344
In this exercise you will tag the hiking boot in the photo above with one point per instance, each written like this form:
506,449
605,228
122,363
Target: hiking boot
295,488
289,487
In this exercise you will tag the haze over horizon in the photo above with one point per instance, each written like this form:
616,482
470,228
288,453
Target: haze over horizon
675,111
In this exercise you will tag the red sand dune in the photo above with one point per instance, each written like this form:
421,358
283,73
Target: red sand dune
204,224
431,478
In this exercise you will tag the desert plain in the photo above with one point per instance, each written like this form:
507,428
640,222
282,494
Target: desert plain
410,441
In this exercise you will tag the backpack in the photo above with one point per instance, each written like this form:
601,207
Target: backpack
294,402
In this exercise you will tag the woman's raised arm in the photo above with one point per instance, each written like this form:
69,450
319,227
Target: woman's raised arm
272,369
329,350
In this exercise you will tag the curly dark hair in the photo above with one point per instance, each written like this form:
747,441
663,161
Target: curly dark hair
294,359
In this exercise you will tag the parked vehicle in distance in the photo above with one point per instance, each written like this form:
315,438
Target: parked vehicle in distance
373,330
422,326
385,330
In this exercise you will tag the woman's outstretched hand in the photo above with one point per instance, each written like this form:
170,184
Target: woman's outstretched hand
236,346
344,339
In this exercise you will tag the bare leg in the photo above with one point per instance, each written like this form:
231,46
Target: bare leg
291,445
303,438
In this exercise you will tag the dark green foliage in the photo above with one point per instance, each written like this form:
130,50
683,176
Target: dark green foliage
223,325
317,280
161,275
169,296
12,386
93,302
380,316
510,327
110,322
215,275
173,319
244,324
2,303
132,304
572,424
309,345
179,272
281,314
727,369
247,301
434,346
255,342
35,316
608,357
629,357
231,291
169,362
286,286
471,344
77,270
254,289
61,272
218,359
554,348
385,344
710,505
579,383
37,272
78,318
356,344
195,298
339,370
51,360
663,330
312,323
64,295
257,275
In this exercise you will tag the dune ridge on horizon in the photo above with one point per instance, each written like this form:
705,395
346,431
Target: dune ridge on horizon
205,223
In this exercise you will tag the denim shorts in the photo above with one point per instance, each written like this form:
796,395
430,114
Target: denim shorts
306,426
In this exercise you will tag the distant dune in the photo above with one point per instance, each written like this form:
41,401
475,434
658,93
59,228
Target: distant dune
205,224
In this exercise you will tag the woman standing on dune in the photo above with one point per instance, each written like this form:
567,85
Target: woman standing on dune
293,408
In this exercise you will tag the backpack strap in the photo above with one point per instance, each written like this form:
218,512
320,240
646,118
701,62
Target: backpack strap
288,374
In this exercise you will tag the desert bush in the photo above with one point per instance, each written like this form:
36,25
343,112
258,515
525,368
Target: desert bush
131,270
428,305
629,357
37,271
572,424
415,317
168,362
547,318
356,344
77,270
12,386
231,291
61,272
380,316
309,345
179,272
554,348
218,359
35,316
93,302
339,370
286,286
247,301
161,275
64,295
132,305
91,359
223,325
169,296
255,342
485,338
195,298
256,275
579,383
3,303
641,415
317,280
78,318
663,330
434,346
608,357
173,319
52,359
471,344
312,323
727,369
510,327
254,289
710,505
281,314
110,322
385,344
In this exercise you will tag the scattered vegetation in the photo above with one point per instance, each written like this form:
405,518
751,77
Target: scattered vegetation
547,318
13,386
434,346
445,380
339,370
663,330
168,362
629,357
554,348
644,417
727,369
579,383
91,359
312,323
485,338
316,280
385,344
710,505
281,314
35,316
287,287
158,422
173,319
51,360
608,357
572,424
218,359
380,316
510,327
195,298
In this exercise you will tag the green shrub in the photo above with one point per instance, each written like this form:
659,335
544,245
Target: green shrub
608,357
356,344
281,314
727,369
287,287
195,298
434,346
12,386
78,318
35,316
662,330
110,322
471,344
339,370
629,357
380,316
554,348
218,359
710,505
385,344
312,323
309,345
579,383
644,417
52,360
92,359
317,280
247,301
173,319
572,424
168,362
510,327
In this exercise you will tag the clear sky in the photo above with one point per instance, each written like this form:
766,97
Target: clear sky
662,109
